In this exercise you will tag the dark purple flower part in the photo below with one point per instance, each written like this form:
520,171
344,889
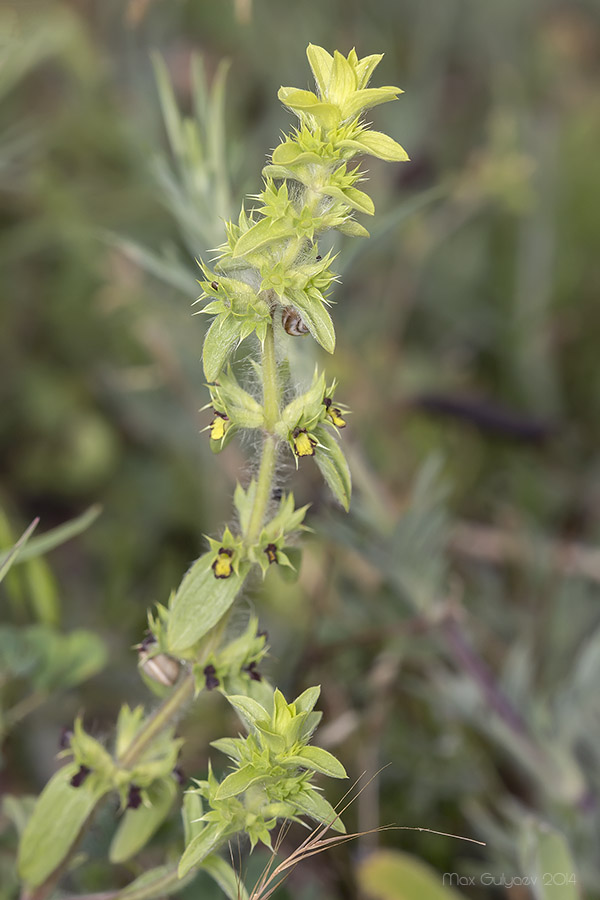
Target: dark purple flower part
134,797
264,634
212,681
80,776
179,775
253,672
147,642
64,741
271,551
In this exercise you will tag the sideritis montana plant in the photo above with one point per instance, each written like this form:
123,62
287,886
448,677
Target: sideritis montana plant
268,285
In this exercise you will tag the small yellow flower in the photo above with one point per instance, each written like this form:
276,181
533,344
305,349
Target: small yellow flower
218,426
222,565
304,444
334,413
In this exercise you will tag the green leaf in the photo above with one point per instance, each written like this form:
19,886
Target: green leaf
64,660
8,558
18,810
352,197
170,111
225,876
55,537
367,98
83,654
291,153
58,817
352,229
334,468
307,700
162,881
321,63
326,114
548,863
343,80
220,340
250,710
237,782
312,803
319,760
191,813
166,269
138,825
244,503
42,589
392,875
228,746
199,848
201,600
365,67
375,143
316,318
263,232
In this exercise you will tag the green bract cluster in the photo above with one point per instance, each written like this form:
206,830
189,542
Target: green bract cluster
271,777
270,281
146,791
271,257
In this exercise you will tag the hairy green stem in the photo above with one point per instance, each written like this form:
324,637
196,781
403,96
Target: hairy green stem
159,720
268,461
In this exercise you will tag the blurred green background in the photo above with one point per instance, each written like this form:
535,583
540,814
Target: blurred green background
452,618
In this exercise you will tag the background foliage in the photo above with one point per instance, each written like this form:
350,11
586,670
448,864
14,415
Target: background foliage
452,617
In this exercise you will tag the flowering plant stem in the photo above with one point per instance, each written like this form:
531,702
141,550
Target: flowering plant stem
270,283
268,462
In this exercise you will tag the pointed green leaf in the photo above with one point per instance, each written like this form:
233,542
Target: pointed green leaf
201,600
199,848
312,803
343,80
353,229
307,700
228,746
55,537
326,114
548,862
79,655
250,710
367,98
375,143
352,197
319,760
170,111
290,154
316,318
263,232
225,876
159,882
18,810
220,340
334,468
237,782
191,812
138,825
58,817
365,68
321,63
392,875
46,542
10,556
